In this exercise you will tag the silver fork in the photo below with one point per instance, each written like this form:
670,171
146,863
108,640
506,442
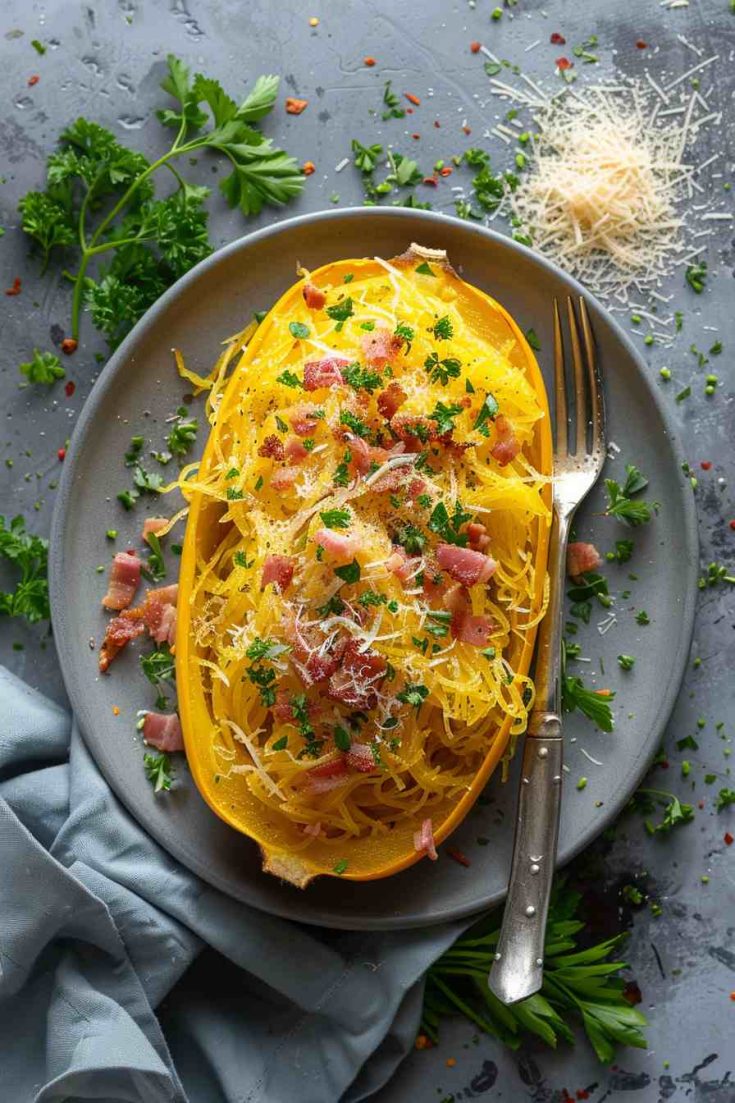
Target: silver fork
517,971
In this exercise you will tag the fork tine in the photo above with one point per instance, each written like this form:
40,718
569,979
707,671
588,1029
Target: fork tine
579,387
560,390
598,409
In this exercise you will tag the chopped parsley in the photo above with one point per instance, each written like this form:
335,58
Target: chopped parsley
626,662
675,814
182,436
423,269
623,552
593,703
413,694
281,424
155,568
341,866
405,333
365,158
620,501
441,371
724,799
333,607
342,739
443,329
412,539
158,771
267,649
349,573
371,597
448,526
355,423
298,330
281,744
341,475
696,276
336,518
158,667
290,379
642,617
360,378
340,312
488,411
533,341
444,416
43,367
28,555
393,109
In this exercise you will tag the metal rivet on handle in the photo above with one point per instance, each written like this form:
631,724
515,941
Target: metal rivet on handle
530,910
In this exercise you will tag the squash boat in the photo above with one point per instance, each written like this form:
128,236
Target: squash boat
364,566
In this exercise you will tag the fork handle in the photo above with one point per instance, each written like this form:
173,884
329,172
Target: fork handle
517,971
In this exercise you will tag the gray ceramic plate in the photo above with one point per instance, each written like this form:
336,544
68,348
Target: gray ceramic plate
139,388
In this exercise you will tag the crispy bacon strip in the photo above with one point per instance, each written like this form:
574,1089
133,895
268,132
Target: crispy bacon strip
123,581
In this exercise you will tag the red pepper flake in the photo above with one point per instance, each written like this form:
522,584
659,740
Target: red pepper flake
115,710
308,168
15,289
641,45
61,455
457,856
632,994
732,996
446,170
557,39
412,99
69,388
69,345
450,1062
33,80
416,137
467,129
437,124
582,1093
475,47
700,804
732,524
423,1042
369,61
294,106
432,180
728,839
409,111
564,63
705,465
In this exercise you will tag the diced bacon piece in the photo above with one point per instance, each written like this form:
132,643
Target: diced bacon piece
167,595
153,525
160,619
277,569
283,708
323,373
302,418
380,347
477,536
434,584
415,487
391,399
506,446
329,775
284,478
342,547
423,841
365,456
314,297
312,829
272,448
294,450
399,479
467,628
581,558
123,581
321,667
355,682
402,566
413,428
464,564
118,633
360,758
162,730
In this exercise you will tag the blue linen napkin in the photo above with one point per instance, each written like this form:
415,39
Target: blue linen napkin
125,977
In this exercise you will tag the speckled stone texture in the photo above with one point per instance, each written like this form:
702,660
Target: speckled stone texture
105,61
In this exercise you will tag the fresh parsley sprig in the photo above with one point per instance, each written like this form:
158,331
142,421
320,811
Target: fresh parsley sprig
581,986
29,555
621,503
100,200
158,771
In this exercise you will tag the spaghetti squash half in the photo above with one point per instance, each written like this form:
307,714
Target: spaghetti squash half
364,566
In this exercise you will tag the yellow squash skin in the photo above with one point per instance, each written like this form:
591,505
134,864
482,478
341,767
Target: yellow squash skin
281,843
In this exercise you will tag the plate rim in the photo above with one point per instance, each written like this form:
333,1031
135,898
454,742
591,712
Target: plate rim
688,521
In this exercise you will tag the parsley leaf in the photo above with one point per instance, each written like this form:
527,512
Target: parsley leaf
724,799
365,158
45,367
298,329
362,379
182,436
441,371
340,312
392,104
336,518
620,503
355,423
349,573
158,667
413,694
443,329
29,555
444,416
412,539
406,334
488,411
158,771
290,379
696,276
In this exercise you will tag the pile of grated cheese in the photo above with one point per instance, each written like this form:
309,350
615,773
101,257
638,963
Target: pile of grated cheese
600,197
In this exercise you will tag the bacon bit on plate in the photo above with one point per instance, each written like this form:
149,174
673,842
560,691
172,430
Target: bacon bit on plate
466,129
446,170
431,180
323,373
732,524
728,839
61,454
563,63
160,617
277,569
272,448
369,61
295,106
69,345
69,388
34,79
123,581
308,168
465,565
423,840
391,399
153,525
342,547
415,136
475,47
458,856
162,730
423,1042
506,447
314,297
118,633
15,287
557,39
412,99
581,558
706,465
641,45
437,124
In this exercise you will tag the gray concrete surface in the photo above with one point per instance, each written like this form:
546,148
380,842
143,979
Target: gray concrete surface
105,60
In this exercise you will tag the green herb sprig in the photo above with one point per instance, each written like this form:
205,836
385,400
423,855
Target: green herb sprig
28,554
